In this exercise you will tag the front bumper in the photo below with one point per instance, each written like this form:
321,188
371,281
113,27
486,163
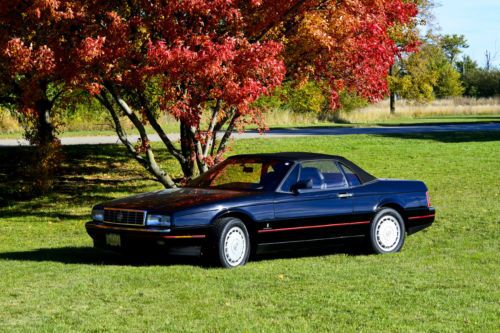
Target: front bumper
140,237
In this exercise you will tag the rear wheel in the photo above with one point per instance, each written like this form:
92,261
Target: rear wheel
387,231
230,243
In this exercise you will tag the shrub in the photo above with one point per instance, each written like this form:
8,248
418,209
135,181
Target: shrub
8,123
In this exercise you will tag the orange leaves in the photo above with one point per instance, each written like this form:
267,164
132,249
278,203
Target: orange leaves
347,44
19,55
23,59
91,48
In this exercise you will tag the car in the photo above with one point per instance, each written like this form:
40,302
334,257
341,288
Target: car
252,201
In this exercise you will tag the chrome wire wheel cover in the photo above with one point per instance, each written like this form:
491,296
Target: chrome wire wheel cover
235,246
388,232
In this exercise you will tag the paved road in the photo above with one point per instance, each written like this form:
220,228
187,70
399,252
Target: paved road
289,132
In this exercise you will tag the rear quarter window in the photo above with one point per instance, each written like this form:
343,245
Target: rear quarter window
352,178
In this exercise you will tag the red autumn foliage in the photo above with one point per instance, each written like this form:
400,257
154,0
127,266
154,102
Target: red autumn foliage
198,59
345,43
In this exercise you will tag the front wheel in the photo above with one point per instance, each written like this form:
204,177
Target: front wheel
387,231
231,243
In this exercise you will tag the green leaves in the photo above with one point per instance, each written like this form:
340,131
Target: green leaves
426,75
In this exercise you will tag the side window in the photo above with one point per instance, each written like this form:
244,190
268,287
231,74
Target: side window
272,174
352,178
290,180
324,174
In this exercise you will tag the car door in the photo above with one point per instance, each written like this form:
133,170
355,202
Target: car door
313,213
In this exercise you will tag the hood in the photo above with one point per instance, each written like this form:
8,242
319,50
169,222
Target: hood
174,199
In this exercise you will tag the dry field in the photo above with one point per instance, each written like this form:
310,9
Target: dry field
444,108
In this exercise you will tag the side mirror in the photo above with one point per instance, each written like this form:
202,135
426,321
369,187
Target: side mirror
305,184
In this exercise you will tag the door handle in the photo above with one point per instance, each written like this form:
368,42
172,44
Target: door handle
344,195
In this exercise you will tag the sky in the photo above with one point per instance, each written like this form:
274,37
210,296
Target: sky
478,20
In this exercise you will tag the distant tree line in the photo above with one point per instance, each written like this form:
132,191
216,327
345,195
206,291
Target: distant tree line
436,71
478,81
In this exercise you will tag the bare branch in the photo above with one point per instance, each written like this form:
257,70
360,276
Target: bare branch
213,122
56,96
161,133
103,99
202,166
153,166
227,134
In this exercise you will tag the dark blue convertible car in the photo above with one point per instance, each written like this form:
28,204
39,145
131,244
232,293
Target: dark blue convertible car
249,201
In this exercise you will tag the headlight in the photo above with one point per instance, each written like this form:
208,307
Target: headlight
98,214
158,220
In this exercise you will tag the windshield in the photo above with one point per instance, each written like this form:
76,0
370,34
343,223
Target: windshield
244,174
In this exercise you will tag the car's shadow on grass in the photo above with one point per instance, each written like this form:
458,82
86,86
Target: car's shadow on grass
353,247
91,256
448,137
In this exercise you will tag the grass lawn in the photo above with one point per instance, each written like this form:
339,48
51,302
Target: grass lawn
435,120
446,278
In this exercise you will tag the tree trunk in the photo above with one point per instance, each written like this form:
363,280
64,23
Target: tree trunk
392,95
392,102
187,151
45,129
47,158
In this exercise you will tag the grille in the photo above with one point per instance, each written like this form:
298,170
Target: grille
124,216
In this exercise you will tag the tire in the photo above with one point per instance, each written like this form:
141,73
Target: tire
387,231
230,243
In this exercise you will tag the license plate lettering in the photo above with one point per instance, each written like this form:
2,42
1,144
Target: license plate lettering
113,240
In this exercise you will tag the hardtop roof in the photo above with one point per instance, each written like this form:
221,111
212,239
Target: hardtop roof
363,176
293,156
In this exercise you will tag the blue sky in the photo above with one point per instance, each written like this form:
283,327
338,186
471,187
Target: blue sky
478,20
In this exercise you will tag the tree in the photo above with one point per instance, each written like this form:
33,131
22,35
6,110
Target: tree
186,59
478,82
452,45
35,49
466,65
407,38
426,75
230,54
211,60
348,45
489,59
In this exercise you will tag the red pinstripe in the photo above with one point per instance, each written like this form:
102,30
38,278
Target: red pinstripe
314,226
421,217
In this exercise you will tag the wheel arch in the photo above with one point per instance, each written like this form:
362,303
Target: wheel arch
394,204
246,218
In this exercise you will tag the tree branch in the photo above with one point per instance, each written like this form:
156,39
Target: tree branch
57,95
213,122
161,133
227,134
202,166
154,168
103,99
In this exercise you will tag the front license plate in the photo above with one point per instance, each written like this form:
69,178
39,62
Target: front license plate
113,240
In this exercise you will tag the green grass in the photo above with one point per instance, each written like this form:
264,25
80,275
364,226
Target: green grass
446,278
455,119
